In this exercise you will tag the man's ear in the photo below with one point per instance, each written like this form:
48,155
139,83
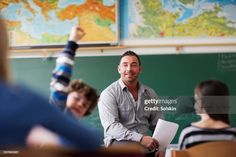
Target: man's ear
118,69
140,69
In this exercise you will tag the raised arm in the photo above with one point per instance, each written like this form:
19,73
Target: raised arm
62,73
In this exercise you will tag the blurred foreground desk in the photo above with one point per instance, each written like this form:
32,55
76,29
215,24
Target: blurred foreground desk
117,151
209,149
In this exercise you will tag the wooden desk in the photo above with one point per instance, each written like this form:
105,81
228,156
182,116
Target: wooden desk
118,151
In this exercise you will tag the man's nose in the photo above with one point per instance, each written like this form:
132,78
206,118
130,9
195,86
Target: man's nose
128,68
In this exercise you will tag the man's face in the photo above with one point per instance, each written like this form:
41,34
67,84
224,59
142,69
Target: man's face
77,103
129,69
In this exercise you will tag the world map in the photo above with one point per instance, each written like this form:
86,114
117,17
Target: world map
181,18
48,22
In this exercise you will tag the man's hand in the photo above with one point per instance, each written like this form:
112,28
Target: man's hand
76,34
149,142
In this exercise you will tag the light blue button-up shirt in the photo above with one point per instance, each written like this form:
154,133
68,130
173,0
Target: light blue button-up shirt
122,117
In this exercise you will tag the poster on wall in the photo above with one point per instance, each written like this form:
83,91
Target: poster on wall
181,22
47,23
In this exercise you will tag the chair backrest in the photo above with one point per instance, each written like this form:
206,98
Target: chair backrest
210,149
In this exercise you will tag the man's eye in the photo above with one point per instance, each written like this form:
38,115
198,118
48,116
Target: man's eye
134,65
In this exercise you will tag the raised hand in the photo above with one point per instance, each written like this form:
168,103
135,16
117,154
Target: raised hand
76,34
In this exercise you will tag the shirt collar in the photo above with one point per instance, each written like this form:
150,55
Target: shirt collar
142,88
122,85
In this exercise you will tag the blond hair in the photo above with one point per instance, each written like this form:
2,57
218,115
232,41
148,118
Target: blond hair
4,68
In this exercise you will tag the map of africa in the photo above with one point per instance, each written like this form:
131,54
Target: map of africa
182,18
48,22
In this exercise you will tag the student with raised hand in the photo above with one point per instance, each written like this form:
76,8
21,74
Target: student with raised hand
75,98
22,108
212,105
122,108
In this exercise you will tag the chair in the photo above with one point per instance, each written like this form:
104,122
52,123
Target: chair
210,149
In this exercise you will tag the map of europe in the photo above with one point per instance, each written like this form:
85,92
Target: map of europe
182,18
48,22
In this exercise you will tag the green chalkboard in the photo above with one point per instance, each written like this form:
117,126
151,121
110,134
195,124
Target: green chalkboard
168,75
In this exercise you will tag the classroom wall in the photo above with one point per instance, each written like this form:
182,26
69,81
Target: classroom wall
168,75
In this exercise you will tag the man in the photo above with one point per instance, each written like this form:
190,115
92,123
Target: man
122,109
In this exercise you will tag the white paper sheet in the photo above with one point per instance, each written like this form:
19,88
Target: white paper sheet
165,132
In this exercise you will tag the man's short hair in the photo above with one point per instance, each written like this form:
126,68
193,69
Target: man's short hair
131,53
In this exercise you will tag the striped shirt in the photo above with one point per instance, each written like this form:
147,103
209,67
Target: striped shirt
61,75
192,135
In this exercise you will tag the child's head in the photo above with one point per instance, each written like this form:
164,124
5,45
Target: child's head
82,98
212,98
